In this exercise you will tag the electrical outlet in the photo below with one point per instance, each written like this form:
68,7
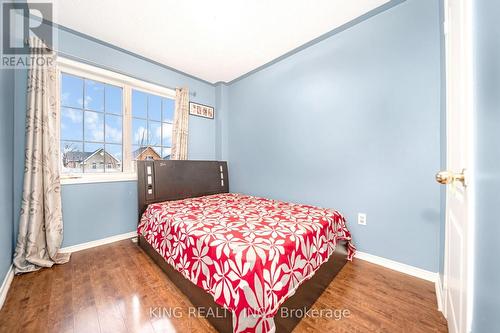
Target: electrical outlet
362,218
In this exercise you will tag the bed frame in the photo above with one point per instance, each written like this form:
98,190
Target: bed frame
175,180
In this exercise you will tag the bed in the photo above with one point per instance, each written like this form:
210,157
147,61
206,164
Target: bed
247,262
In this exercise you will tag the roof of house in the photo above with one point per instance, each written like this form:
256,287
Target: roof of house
139,151
78,156
82,156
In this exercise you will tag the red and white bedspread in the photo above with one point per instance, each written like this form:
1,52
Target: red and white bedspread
249,253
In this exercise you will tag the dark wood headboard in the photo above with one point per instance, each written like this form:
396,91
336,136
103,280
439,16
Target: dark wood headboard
159,181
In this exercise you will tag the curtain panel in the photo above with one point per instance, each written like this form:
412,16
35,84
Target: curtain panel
40,224
181,125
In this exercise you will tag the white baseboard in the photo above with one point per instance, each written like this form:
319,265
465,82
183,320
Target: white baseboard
103,241
439,293
397,266
4,289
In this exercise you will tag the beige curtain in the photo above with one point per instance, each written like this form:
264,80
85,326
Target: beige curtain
40,225
180,127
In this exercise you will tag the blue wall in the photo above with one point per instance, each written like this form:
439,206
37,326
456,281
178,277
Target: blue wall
99,210
222,107
6,169
487,109
352,122
94,211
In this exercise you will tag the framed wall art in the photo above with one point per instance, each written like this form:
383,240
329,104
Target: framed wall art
201,110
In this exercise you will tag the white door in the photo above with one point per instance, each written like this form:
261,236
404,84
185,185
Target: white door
458,184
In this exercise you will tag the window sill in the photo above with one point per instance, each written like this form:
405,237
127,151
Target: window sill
104,178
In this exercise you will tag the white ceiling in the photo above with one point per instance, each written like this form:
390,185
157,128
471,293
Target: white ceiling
216,40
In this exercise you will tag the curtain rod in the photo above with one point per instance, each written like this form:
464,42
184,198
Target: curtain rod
109,68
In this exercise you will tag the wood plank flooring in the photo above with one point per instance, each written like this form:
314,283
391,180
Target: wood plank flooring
113,288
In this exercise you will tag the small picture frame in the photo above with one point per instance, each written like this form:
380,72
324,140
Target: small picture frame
201,110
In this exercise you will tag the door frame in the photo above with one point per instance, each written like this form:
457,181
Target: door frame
466,23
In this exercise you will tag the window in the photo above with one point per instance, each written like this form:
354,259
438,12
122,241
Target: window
152,118
91,125
108,120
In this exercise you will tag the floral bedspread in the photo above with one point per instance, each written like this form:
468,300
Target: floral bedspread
249,253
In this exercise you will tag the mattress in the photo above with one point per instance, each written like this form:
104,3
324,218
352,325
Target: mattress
249,253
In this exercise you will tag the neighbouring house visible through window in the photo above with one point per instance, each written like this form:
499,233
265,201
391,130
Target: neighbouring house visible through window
98,135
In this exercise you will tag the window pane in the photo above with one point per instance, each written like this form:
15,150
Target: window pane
114,99
93,158
154,107
154,133
168,110
139,132
94,126
71,124
114,129
72,157
94,96
167,135
71,91
166,153
139,104
113,158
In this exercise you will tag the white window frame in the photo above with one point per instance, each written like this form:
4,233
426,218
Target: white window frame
127,84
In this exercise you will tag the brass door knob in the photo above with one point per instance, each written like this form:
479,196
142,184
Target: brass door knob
448,177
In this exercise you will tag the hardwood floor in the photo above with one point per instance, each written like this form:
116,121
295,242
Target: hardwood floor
114,288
